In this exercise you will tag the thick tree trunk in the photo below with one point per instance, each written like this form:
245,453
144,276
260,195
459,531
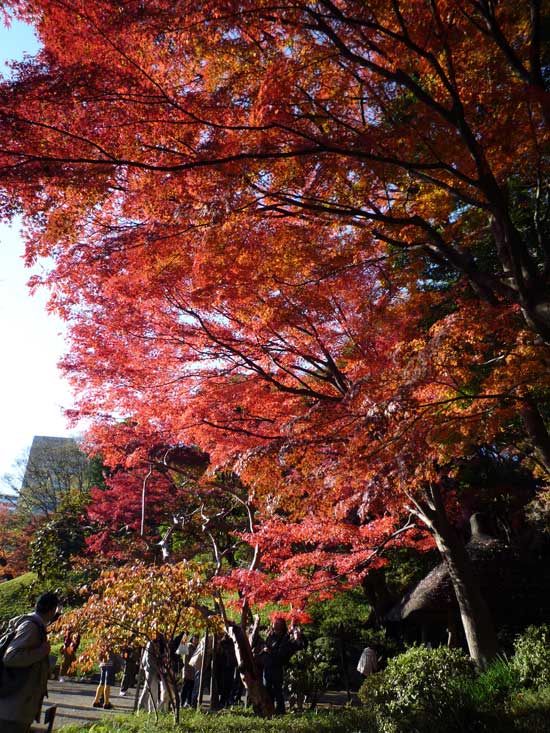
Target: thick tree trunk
251,677
537,432
476,619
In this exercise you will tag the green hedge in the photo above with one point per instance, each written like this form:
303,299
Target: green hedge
438,691
419,689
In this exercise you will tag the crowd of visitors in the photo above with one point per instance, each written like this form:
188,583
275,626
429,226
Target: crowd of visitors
172,671
166,673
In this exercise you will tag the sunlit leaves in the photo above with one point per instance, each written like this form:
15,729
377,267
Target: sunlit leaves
130,605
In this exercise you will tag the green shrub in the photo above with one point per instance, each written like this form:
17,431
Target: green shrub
310,672
532,657
421,689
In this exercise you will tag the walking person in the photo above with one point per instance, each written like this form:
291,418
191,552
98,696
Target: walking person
368,661
130,656
186,650
196,664
226,671
24,679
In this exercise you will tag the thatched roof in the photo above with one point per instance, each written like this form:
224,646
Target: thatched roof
514,581
435,593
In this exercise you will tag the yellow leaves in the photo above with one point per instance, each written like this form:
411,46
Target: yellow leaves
135,602
432,201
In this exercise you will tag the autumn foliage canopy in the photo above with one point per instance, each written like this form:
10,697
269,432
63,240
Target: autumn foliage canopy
309,237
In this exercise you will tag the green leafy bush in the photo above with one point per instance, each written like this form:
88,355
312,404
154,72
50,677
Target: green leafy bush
532,656
421,689
310,672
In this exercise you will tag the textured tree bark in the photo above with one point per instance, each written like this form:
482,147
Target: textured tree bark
474,613
476,619
251,677
537,432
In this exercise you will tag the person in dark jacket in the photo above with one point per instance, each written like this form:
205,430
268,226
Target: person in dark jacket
27,659
71,642
186,650
130,659
280,645
226,671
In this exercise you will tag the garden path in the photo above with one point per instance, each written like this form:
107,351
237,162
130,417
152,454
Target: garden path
74,702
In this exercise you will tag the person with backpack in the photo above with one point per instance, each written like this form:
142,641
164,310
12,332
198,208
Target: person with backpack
24,666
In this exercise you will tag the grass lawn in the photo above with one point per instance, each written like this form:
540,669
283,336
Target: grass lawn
13,599
345,720
525,712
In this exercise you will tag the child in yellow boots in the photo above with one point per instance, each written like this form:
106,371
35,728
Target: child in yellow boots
106,680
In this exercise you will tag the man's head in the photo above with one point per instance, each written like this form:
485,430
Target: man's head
279,626
46,606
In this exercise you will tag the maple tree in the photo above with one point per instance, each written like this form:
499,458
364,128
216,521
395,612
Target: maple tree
157,503
15,534
115,515
135,603
310,238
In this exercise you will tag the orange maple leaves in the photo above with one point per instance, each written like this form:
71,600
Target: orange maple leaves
307,238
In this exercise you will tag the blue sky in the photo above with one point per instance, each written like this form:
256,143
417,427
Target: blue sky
32,392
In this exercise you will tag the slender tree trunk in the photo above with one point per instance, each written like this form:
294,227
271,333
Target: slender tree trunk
202,677
214,692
